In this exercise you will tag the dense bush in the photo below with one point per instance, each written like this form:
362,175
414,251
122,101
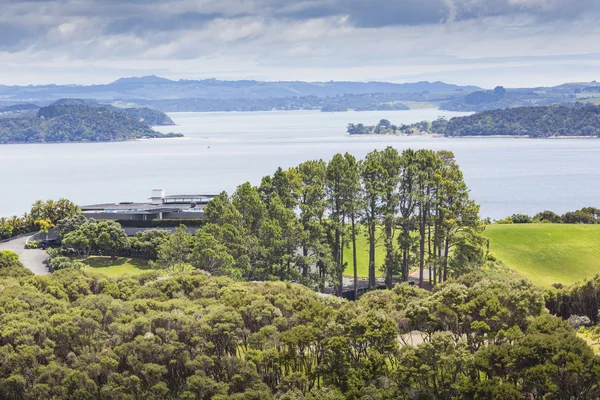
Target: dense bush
74,123
11,266
76,335
546,121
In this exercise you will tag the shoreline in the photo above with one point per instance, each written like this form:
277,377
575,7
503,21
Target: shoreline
439,135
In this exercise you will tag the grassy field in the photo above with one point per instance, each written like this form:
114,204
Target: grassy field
117,267
548,253
362,256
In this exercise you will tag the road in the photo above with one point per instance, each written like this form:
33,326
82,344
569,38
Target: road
34,260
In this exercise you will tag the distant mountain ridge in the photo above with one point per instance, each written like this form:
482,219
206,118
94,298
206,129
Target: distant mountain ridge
157,88
336,96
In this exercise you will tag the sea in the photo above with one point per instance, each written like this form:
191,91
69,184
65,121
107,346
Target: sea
223,150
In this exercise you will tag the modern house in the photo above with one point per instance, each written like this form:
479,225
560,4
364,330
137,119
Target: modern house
160,206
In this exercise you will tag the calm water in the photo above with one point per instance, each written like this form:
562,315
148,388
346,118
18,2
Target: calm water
222,150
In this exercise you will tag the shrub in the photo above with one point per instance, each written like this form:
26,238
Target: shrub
521,219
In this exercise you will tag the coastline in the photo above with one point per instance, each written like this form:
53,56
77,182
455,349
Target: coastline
439,135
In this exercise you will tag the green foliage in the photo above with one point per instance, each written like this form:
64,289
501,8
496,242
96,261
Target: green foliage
50,211
75,123
192,336
535,122
104,236
10,266
521,219
384,127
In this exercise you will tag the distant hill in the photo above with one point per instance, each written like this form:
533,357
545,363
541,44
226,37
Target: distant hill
361,102
75,123
251,95
157,88
147,115
500,98
535,122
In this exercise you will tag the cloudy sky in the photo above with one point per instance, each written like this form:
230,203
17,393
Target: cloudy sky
483,42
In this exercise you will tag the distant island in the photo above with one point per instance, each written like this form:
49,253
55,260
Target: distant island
343,103
76,121
142,114
576,120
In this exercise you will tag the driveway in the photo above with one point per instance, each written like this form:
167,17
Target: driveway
34,260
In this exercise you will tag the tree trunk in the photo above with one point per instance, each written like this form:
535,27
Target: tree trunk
421,244
429,257
304,264
446,249
336,256
406,252
354,258
372,231
389,246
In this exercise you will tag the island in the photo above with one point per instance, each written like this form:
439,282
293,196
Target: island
68,121
148,115
573,120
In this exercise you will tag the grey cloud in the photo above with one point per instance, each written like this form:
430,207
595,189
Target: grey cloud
165,23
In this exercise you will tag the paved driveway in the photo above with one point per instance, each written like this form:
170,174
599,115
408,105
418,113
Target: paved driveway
34,260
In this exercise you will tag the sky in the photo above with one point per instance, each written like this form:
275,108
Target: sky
515,43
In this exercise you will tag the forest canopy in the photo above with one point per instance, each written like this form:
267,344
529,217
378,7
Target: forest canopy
75,123
78,335
533,122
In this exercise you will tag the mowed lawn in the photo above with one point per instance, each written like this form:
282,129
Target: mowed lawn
548,253
117,267
362,256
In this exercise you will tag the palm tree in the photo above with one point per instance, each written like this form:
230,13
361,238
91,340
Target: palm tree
51,210
37,209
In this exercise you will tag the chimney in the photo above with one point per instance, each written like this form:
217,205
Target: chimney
157,196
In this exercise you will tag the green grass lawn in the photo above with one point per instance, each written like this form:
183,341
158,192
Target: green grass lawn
362,256
548,253
117,267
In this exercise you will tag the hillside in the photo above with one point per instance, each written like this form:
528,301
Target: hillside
142,114
548,253
548,121
157,88
501,98
75,123
576,120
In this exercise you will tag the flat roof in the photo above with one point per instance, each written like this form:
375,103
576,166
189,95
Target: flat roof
189,196
138,207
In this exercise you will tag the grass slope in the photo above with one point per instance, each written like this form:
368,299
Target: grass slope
362,256
117,267
548,253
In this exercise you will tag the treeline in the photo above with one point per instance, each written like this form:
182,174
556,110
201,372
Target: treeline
579,299
535,122
586,215
79,335
48,212
385,127
341,103
142,114
500,99
75,123
298,224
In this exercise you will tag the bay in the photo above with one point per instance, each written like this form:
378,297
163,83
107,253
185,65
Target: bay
223,150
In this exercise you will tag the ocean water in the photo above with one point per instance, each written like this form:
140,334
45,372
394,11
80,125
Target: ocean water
223,150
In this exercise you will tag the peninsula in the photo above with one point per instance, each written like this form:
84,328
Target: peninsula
68,121
574,120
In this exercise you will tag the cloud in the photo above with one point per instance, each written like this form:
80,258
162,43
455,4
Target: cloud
286,38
